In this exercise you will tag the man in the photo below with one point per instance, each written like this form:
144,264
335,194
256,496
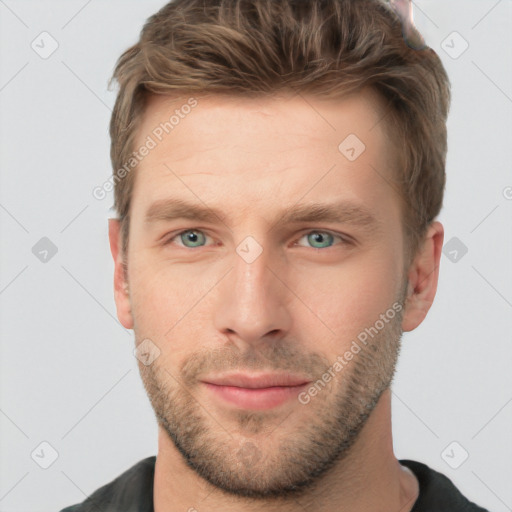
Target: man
278,168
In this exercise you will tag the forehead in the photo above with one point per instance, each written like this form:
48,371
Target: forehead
205,145
362,111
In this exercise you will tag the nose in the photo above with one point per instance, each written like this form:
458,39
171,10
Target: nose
252,303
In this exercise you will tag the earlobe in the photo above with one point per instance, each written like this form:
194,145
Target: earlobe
121,295
423,277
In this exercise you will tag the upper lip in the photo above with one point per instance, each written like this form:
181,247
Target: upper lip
256,380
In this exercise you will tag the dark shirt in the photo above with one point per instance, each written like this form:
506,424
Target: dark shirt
132,491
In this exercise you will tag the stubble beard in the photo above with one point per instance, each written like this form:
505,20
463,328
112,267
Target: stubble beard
266,455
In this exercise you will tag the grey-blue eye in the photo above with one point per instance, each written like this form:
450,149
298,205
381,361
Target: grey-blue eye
319,239
193,236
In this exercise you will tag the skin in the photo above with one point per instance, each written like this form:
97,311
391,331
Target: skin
405,12
297,306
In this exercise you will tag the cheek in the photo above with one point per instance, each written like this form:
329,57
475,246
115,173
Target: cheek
168,306
158,285
343,300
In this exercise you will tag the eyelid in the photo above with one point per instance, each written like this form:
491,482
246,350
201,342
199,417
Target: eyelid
345,239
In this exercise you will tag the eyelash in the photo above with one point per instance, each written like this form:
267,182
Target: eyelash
344,239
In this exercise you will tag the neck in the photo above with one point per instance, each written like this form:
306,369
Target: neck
369,478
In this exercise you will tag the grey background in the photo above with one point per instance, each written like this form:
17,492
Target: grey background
68,375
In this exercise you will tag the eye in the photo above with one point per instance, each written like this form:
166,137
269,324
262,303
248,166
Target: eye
192,236
322,239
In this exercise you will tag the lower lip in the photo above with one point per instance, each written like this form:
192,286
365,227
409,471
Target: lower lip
256,399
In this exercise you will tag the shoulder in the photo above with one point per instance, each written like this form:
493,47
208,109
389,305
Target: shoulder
130,491
437,491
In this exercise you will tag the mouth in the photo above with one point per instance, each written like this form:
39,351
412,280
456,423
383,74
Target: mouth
256,391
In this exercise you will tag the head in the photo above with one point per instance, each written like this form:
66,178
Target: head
250,110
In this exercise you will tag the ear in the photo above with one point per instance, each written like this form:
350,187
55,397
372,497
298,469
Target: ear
121,295
423,275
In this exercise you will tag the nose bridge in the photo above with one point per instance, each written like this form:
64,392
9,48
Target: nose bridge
254,279
252,302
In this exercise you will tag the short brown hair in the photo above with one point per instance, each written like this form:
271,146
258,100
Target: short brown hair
325,48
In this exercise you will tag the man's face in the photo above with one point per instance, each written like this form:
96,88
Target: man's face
253,293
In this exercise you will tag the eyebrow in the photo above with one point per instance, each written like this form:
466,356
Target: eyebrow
346,212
